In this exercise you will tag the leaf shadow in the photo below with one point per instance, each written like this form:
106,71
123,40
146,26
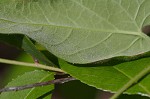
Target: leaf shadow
45,94
114,61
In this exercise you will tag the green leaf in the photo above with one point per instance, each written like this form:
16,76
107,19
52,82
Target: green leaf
25,43
132,97
15,70
30,48
112,78
30,78
80,31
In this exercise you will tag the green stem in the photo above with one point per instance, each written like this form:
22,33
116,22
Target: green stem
31,65
131,82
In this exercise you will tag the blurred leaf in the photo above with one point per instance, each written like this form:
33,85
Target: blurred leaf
30,78
15,40
15,70
111,78
30,48
80,31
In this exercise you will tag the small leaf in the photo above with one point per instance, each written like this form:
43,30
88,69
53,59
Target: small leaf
112,78
30,48
30,78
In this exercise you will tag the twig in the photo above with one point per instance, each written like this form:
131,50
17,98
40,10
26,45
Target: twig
56,81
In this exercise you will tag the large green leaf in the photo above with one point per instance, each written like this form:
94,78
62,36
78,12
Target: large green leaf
112,78
33,93
80,31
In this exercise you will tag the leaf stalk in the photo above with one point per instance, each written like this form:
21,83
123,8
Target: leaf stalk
13,62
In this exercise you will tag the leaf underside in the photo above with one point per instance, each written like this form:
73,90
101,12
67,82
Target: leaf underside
80,31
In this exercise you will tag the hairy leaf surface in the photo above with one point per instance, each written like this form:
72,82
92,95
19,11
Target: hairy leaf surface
80,31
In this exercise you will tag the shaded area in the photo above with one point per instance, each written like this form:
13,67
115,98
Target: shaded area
146,30
74,90
45,95
8,52
115,60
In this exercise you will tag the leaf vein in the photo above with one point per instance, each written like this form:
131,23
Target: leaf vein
140,85
133,42
95,14
92,45
39,81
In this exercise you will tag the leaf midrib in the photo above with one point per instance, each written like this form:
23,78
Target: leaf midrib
77,28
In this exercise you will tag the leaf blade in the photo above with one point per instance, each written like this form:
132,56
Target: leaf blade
37,76
30,48
81,36
112,78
